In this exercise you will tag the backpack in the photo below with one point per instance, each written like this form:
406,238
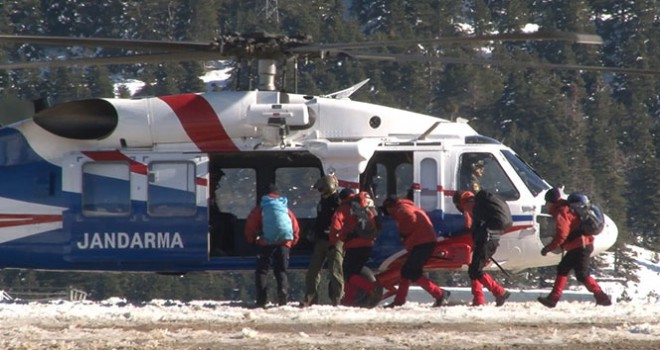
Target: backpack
277,226
364,209
592,220
492,210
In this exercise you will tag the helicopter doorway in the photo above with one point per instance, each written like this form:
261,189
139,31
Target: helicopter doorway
239,180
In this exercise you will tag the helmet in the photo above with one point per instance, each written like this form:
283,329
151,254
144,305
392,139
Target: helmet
327,185
553,195
578,197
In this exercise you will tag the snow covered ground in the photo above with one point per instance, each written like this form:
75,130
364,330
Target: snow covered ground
167,324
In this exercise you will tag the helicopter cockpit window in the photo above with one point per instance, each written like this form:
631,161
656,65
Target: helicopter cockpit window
171,189
481,171
296,184
106,189
527,174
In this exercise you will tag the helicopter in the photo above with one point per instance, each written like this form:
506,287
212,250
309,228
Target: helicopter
165,184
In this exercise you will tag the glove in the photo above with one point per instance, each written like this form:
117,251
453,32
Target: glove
544,251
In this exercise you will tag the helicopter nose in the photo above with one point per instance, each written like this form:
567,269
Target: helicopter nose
607,237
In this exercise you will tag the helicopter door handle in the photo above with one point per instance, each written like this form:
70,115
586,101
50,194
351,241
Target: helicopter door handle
527,208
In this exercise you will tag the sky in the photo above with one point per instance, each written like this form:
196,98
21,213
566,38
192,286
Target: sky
114,323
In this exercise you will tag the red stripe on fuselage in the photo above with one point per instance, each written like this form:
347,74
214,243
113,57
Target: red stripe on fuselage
12,220
200,122
136,167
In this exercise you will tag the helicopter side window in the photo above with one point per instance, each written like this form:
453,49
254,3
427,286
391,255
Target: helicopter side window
296,184
236,191
404,179
389,173
428,183
379,183
481,171
171,189
106,189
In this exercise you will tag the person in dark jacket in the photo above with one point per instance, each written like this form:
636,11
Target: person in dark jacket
419,238
356,252
578,248
323,250
484,246
275,253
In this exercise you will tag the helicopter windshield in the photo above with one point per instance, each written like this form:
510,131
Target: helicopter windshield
527,174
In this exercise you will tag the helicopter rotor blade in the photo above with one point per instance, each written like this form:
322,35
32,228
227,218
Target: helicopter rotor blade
130,59
579,38
264,45
129,44
405,58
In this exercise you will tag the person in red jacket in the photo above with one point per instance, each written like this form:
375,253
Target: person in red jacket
356,252
578,248
482,251
275,253
418,237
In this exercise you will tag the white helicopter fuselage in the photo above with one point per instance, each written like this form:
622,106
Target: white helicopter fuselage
132,185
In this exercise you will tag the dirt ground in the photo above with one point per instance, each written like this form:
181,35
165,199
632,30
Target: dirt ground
244,335
433,336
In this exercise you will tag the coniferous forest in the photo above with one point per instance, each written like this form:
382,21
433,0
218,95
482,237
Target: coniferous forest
592,131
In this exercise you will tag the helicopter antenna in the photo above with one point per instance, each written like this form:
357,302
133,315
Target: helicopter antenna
428,131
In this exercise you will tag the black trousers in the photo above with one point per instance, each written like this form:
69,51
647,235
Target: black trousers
413,268
483,249
354,260
577,260
278,257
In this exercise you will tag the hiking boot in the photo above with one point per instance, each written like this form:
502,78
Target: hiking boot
443,299
547,302
499,301
603,299
304,304
374,298
392,305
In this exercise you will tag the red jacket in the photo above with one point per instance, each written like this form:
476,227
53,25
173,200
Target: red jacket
254,225
566,222
413,224
343,224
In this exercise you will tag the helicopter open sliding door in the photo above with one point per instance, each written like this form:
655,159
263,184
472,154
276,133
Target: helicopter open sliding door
238,180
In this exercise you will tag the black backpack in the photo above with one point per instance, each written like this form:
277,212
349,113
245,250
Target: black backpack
592,220
492,210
